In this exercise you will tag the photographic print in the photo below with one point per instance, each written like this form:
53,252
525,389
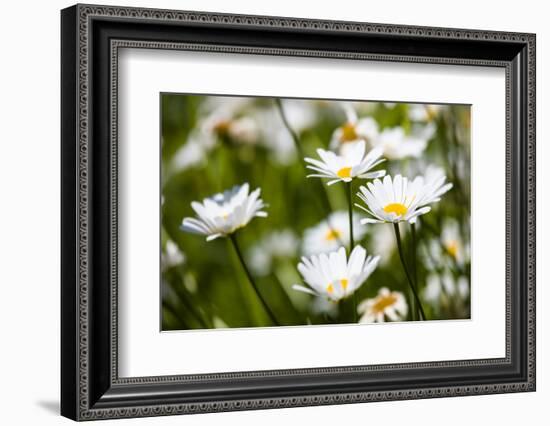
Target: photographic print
297,212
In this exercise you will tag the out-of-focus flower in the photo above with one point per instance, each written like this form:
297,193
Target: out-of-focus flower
436,185
442,288
276,244
449,250
424,112
386,306
353,131
353,163
396,144
171,255
224,213
382,242
331,233
333,276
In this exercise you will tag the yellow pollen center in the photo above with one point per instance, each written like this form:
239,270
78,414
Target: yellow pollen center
344,283
452,248
397,208
330,289
332,234
383,302
344,172
348,133
222,127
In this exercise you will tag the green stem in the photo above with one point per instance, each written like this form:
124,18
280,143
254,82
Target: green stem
414,274
350,211
233,240
293,134
351,240
409,279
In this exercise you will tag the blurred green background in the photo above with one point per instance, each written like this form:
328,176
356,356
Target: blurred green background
210,144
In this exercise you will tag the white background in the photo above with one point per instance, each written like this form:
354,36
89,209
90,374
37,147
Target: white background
146,352
29,225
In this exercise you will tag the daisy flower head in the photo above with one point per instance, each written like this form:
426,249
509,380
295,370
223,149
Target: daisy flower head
224,213
424,112
387,305
352,163
353,131
393,200
435,183
331,233
440,288
396,144
333,276
171,255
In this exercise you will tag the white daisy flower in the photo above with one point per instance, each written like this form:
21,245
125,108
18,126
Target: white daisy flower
399,199
452,241
449,250
171,255
224,213
387,305
382,241
225,123
440,288
331,233
393,200
435,184
353,130
333,276
424,112
275,245
396,144
353,163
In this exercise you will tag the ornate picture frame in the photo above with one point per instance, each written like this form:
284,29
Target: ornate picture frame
91,37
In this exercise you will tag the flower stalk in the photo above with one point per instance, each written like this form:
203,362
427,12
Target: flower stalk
233,239
351,241
415,297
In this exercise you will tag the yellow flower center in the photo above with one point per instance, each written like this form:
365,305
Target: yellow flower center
344,172
344,283
222,127
452,248
332,234
397,208
330,289
349,133
383,302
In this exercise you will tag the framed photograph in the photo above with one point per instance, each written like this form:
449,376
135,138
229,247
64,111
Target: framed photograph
263,212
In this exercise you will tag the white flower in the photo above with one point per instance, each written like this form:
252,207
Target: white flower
424,112
440,288
224,213
396,144
276,244
398,199
331,233
448,250
435,185
334,277
393,200
353,131
452,241
353,163
387,305
225,123
171,255
382,241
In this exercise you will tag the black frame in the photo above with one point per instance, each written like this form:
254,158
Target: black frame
91,37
